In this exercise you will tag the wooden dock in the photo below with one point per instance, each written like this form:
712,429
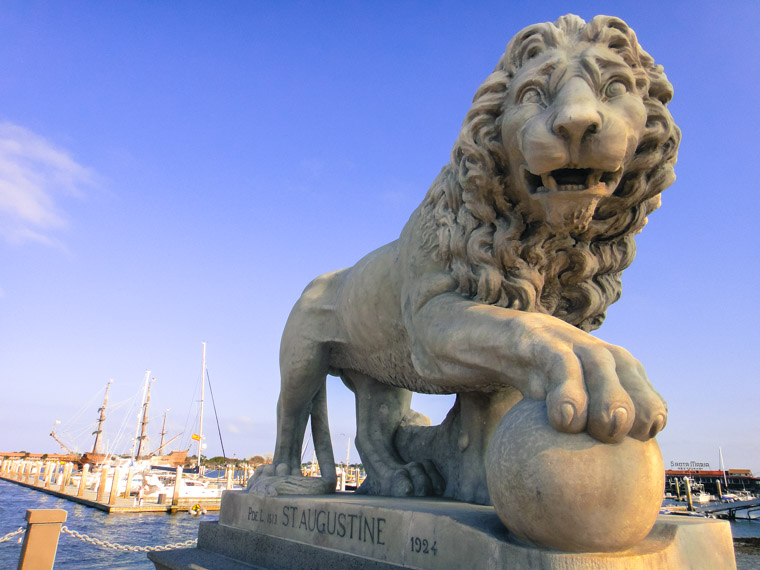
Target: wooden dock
110,502
730,510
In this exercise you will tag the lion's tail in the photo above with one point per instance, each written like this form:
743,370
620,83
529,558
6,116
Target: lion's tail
320,432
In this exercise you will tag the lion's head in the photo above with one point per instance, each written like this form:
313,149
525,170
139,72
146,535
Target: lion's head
562,156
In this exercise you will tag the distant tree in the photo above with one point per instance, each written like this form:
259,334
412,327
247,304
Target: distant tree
257,460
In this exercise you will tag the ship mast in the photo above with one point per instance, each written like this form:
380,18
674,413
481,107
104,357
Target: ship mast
163,430
142,440
723,468
98,433
137,429
200,421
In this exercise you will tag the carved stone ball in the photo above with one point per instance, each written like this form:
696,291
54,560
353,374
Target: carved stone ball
571,492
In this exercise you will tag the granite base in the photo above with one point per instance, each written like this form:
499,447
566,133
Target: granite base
346,530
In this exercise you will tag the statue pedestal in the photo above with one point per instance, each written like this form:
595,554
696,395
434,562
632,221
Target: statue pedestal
358,531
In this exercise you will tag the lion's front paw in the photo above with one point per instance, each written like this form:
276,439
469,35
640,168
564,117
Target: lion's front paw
590,385
415,479
605,391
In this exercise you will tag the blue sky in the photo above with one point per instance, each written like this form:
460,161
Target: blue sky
172,173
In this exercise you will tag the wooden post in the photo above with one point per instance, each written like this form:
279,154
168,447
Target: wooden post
177,483
128,488
3,467
46,478
41,538
230,472
83,481
22,472
53,468
720,494
67,469
678,489
688,493
102,485
114,487
63,477
69,474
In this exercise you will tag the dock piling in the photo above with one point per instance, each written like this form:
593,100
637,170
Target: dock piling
114,487
128,488
177,484
102,484
83,480
49,471
689,501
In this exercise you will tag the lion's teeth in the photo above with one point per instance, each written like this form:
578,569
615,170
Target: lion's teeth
594,178
549,182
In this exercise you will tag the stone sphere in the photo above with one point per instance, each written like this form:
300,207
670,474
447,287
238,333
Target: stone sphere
571,492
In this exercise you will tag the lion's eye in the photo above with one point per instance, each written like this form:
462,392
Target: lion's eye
531,95
615,88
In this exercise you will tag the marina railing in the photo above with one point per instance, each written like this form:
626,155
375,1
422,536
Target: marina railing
40,541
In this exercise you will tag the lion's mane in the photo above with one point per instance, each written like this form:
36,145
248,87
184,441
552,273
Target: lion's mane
475,224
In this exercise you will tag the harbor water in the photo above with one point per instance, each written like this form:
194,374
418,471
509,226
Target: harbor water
151,530
126,529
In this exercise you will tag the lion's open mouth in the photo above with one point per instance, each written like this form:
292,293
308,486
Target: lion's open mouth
573,180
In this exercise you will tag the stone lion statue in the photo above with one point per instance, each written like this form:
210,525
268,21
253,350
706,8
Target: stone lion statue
496,280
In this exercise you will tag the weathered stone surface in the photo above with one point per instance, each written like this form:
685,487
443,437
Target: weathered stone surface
382,532
569,491
499,275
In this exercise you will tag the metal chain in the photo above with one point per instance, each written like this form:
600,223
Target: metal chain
10,535
122,547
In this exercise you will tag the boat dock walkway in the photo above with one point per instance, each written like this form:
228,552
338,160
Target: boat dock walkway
109,501
730,509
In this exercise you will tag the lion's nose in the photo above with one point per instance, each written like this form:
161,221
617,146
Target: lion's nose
578,113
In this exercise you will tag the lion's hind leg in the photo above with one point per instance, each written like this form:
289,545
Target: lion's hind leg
380,409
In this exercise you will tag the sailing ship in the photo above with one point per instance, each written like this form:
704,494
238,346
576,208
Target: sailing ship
97,457
152,469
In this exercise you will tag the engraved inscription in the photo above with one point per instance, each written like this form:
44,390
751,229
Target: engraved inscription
423,545
335,523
